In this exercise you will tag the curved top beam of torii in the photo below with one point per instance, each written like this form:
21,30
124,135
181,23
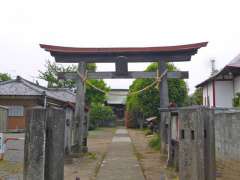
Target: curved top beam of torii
128,54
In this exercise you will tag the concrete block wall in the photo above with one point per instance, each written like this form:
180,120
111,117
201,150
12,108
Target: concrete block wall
227,135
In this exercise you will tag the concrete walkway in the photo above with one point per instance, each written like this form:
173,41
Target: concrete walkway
120,162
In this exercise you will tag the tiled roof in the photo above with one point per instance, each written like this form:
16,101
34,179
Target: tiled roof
23,87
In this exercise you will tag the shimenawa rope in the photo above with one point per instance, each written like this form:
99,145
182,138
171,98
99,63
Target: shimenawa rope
157,81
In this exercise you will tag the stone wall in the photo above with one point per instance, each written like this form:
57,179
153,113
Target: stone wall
227,135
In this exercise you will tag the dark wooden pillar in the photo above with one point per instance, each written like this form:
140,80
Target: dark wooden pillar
79,116
34,149
164,102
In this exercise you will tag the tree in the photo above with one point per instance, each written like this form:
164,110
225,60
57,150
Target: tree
197,97
93,95
101,115
51,74
148,101
5,77
52,70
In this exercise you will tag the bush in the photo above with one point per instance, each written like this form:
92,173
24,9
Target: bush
101,115
155,142
236,100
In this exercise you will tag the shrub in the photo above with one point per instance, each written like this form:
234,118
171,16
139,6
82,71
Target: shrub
101,115
155,142
236,100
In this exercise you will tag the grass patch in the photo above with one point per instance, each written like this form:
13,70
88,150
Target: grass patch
91,155
147,132
155,142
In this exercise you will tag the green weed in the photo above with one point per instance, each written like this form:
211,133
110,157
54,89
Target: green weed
155,142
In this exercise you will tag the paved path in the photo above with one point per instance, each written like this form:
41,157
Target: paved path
120,162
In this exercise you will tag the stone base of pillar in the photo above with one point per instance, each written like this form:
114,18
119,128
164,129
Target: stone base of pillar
75,149
84,149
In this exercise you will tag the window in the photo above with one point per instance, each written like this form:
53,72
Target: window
15,111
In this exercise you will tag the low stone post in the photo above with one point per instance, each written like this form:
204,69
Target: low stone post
34,150
55,128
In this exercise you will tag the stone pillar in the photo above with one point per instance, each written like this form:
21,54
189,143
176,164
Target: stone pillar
209,145
164,102
34,149
196,144
85,133
55,128
68,131
79,116
169,138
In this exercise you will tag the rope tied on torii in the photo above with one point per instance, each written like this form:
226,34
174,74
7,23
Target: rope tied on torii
157,81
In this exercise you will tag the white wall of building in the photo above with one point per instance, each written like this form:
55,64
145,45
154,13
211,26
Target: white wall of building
236,84
205,95
208,95
224,93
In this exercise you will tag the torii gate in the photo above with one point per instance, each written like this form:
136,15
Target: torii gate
121,57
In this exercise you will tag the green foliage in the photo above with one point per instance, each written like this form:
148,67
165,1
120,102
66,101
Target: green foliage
100,115
50,75
196,98
155,142
236,100
148,101
148,132
93,95
5,77
51,72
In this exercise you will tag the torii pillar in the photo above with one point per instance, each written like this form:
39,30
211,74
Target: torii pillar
164,102
79,116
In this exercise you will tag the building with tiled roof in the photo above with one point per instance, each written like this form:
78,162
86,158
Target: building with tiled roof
19,94
220,88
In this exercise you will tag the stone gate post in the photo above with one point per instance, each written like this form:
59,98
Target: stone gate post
55,128
34,149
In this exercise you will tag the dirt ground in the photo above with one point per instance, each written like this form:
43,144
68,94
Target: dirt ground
152,162
86,167
228,170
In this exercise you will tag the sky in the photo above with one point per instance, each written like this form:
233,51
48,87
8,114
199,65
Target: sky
117,23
